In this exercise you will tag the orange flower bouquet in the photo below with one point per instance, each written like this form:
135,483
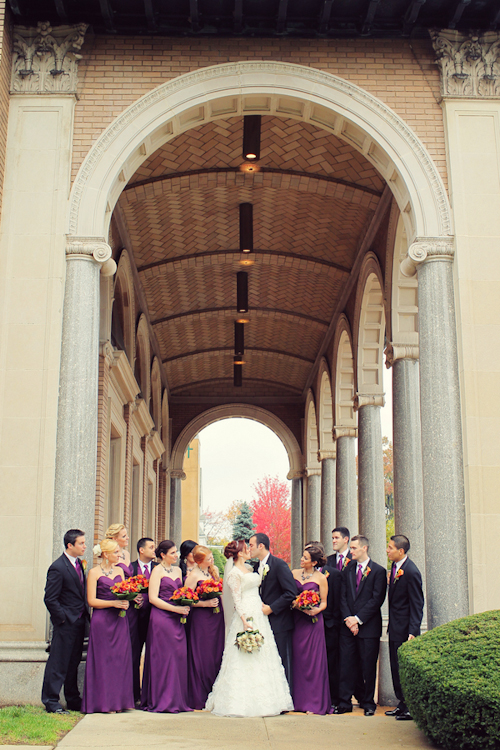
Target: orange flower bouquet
209,589
307,600
129,589
184,597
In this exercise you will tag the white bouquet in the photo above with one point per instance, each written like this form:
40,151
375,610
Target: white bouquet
249,640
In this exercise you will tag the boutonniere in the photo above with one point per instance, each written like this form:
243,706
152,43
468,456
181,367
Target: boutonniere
326,573
346,562
399,574
84,565
367,572
265,571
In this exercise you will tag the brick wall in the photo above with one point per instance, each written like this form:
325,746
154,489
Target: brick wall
5,67
116,71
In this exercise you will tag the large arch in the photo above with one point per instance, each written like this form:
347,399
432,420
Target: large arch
245,411
261,87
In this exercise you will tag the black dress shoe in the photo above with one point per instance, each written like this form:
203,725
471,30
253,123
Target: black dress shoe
59,711
405,716
74,707
369,712
394,712
343,710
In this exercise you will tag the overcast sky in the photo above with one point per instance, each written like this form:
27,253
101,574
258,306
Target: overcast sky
236,453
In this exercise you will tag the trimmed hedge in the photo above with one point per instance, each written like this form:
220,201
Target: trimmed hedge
451,682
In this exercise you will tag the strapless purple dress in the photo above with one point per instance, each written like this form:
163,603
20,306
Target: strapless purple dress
165,679
311,690
205,648
108,671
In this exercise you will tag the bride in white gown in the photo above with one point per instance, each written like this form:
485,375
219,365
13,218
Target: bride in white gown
248,684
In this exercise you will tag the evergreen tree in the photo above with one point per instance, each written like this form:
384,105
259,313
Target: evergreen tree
243,526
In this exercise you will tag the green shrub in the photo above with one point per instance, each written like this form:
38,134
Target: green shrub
451,682
219,560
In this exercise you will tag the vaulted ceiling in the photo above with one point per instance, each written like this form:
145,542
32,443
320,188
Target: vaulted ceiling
313,198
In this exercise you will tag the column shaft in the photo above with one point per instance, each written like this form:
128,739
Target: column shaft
346,491
297,539
176,509
328,471
371,481
443,479
313,507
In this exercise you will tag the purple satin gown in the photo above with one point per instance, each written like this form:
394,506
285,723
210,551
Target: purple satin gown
205,647
108,671
165,679
311,690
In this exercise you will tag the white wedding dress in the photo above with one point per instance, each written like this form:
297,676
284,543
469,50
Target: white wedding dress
249,684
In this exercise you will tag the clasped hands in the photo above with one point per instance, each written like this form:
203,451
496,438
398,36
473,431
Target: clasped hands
352,624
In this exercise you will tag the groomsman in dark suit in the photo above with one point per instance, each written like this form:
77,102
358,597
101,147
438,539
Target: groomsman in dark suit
332,622
66,600
406,608
277,591
138,619
364,584
340,544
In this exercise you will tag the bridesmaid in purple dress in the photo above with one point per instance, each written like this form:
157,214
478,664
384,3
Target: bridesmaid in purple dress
108,671
164,684
206,633
118,533
311,691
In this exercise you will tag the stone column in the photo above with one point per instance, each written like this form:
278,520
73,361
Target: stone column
297,536
407,449
371,475
176,477
346,495
313,504
443,477
328,461
75,474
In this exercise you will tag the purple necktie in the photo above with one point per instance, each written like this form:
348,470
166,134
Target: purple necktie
341,560
79,570
393,573
146,573
359,575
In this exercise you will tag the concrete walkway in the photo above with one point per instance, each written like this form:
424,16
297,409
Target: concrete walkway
202,731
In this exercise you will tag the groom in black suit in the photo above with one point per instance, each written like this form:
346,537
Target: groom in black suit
66,600
406,608
364,584
340,543
277,591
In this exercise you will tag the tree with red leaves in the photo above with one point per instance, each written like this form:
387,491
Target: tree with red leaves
272,514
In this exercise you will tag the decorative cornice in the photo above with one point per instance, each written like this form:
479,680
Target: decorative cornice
326,454
313,472
362,399
177,474
45,60
427,248
340,432
469,63
107,352
295,474
87,247
394,352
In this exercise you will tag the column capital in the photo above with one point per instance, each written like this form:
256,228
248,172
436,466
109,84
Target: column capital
426,249
363,399
177,474
326,454
339,432
394,352
468,62
90,247
295,474
45,59
313,472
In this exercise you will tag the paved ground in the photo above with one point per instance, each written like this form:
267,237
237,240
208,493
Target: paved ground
202,731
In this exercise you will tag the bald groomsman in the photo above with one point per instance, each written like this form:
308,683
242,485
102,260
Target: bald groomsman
406,607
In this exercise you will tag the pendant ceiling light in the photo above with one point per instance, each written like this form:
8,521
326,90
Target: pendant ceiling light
238,375
239,338
251,137
246,227
242,292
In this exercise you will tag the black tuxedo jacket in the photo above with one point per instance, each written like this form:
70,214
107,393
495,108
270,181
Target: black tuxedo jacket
366,602
331,615
64,596
331,560
144,610
406,603
278,590
134,567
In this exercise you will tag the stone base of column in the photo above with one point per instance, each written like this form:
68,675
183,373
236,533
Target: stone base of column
386,695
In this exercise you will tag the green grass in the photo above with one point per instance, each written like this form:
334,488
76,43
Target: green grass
32,725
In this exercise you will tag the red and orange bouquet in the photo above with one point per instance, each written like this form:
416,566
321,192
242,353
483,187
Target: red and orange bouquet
184,597
129,589
209,589
307,600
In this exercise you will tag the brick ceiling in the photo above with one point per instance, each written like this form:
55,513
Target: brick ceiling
313,200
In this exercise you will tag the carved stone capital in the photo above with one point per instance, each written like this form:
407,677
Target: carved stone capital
339,432
400,351
326,454
88,247
45,60
313,472
295,474
108,353
362,399
177,474
426,249
469,63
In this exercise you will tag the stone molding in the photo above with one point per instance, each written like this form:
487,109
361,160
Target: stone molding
322,454
340,432
88,247
313,472
394,352
362,399
156,445
295,475
45,60
469,63
108,353
425,249
177,474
